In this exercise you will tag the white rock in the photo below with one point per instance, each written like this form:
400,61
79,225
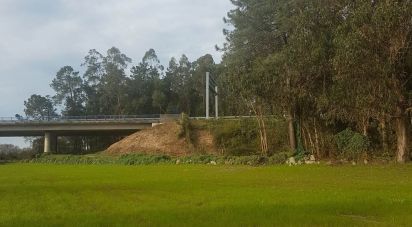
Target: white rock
213,163
365,161
312,158
178,162
291,161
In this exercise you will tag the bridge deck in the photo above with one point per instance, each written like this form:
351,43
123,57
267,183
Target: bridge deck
89,125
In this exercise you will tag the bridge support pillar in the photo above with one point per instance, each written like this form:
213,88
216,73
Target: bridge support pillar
50,142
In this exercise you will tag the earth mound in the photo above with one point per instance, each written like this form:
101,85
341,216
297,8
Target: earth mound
164,139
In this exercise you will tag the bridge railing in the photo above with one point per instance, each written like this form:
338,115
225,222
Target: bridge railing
79,118
90,118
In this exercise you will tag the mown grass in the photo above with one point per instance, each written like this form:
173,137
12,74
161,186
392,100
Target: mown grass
202,195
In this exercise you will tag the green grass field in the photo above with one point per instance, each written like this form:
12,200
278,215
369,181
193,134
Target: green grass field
201,195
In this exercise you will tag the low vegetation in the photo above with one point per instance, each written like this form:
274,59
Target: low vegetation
146,159
200,195
9,152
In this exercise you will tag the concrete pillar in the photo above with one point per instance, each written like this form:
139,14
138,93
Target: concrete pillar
50,143
47,142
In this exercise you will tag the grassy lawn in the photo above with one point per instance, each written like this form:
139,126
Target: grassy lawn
187,195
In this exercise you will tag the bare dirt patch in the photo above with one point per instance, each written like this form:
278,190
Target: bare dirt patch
163,139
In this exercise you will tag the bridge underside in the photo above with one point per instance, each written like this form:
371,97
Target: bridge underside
51,131
69,133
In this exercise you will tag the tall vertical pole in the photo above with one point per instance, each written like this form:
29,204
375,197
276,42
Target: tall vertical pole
216,104
207,94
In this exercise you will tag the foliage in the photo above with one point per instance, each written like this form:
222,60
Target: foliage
351,144
38,107
241,136
9,152
144,159
324,64
236,137
186,128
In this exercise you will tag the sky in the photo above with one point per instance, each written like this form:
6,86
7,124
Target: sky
38,37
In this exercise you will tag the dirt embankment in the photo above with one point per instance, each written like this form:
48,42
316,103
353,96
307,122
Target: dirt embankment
164,139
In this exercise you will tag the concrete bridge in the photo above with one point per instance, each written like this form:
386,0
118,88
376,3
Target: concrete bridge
52,127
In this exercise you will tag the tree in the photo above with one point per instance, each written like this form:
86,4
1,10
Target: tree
371,64
68,86
300,68
179,74
112,85
39,107
144,86
92,77
256,35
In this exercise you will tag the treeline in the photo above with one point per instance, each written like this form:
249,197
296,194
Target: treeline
334,69
9,152
107,88
110,85
325,65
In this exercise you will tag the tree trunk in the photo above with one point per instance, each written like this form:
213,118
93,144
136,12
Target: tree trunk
316,139
365,126
384,135
262,128
402,137
291,127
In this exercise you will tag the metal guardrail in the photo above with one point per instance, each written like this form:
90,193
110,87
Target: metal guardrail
106,118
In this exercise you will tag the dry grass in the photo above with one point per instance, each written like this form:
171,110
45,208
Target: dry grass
162,139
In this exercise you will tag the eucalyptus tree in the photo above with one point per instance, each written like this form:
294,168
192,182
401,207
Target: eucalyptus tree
113,82
301,69
145,92
179,77
39,107
373,65
257,35
68,86
94,71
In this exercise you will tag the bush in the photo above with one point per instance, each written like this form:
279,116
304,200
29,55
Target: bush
143,159
240,137
186,129
351,144
231,136
279,158
10,152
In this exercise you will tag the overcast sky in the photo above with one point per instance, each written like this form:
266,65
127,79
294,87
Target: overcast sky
40,36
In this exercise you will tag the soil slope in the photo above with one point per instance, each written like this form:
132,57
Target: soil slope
163,139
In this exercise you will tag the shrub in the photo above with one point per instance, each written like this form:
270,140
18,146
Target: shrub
186,130
230,136
278,158
351,144
143,159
